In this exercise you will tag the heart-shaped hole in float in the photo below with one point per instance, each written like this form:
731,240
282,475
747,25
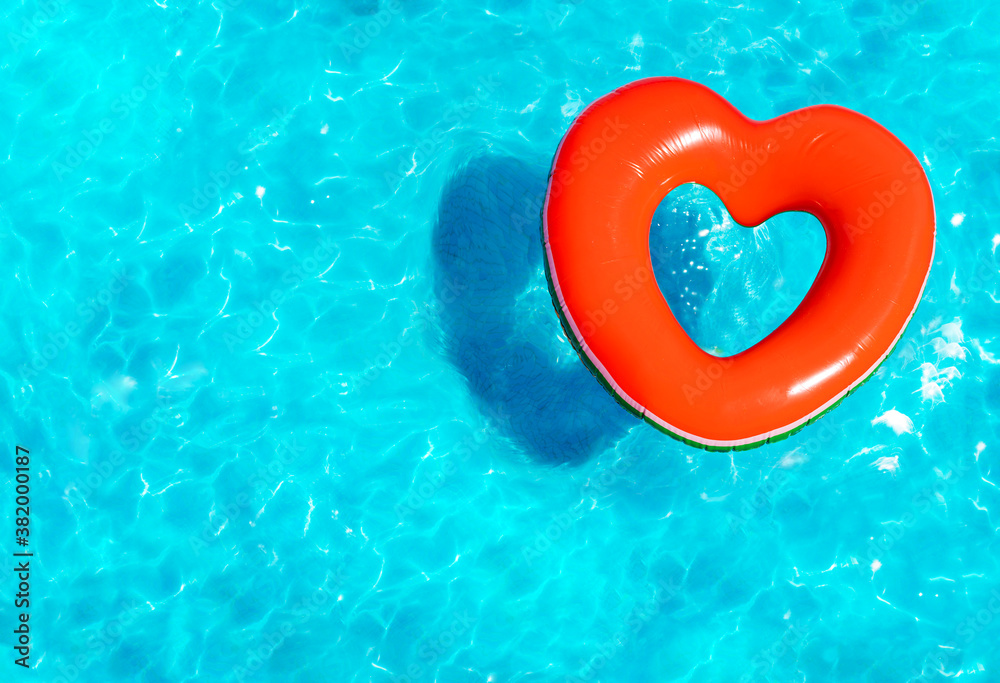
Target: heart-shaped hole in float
729,286
629,150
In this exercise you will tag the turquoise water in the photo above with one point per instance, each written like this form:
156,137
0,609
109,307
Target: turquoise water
276,333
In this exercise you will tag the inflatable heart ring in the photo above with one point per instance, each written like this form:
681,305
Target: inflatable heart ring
628,150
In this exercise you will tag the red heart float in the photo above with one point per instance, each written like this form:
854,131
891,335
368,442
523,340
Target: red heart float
628,150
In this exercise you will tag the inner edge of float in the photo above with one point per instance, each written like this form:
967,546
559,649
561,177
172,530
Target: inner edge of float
749,442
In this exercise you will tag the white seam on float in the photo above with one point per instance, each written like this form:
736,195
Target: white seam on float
616,388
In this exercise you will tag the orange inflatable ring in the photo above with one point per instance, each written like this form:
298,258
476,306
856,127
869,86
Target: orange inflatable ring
615,165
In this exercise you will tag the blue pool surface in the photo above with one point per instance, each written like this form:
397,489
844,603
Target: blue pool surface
277,335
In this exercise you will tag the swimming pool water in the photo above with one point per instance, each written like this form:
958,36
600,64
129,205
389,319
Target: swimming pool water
277,335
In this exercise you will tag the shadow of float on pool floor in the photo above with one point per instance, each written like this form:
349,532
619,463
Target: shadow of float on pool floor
498,324
499,327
